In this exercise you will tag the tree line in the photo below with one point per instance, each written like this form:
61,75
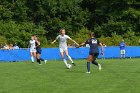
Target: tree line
111,20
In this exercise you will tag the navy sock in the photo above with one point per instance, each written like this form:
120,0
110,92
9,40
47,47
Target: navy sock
41,59
95,63
88,66
38,60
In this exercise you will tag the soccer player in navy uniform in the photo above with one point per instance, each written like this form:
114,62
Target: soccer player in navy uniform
94,51
122,49
38,51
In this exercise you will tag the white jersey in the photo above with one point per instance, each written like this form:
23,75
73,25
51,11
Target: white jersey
32,44
62,40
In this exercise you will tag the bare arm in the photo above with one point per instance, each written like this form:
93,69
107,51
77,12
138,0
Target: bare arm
82,44
29,45
53,41
74,41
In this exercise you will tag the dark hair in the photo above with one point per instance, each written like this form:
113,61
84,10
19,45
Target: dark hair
92,34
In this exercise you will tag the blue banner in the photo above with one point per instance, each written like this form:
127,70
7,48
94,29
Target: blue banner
75,53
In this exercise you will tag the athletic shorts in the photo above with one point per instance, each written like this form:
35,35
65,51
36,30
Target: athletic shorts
38,51
122,52
63,49
94,54
32,50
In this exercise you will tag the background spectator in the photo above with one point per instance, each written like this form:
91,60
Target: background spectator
16,46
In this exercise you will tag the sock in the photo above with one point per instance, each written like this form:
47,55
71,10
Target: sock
32,58
123,55
70,59
95,63
88,66
38,60
65,61
41,59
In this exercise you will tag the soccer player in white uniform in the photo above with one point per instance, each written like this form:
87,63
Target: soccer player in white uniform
63,46
32,47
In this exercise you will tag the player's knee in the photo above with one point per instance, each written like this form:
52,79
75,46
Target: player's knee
89,60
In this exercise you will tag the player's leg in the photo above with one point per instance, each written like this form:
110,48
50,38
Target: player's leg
67,54
39,51
38,58
62,55
121,54
95,62
90,58
32,57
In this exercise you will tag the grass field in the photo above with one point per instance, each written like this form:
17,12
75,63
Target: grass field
117,76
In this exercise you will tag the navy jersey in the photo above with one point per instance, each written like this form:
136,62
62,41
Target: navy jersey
37,46
93,43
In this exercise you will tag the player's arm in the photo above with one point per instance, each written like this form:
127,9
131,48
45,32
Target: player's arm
73,41
102,48
82,44
55,40
28,46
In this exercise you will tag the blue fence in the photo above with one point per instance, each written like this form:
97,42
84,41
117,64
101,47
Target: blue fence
75,53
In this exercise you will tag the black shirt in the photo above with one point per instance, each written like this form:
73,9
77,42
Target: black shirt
93,43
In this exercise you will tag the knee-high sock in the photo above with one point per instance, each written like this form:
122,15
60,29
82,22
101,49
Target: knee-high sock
95,63
65,61
38,60
41,59
88,66
32,58
70,59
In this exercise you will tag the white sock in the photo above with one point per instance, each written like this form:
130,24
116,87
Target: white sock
70,59
65,61
32,58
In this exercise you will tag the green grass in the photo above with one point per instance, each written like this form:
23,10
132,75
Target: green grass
117,76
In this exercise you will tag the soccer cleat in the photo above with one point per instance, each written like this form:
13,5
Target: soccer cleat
88,72
45,61
99,66
73,64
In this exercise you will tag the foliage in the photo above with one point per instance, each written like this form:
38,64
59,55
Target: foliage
19,19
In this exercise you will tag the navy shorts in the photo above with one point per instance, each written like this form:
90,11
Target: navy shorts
38,51
94,54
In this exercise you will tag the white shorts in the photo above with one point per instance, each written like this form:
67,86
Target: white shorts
122,52
63,49
32,50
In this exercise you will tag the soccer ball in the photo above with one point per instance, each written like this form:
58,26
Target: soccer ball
69,66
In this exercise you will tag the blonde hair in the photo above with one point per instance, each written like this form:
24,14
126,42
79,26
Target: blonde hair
61,30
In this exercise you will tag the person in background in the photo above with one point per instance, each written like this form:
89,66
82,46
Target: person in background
1,46
122,49
16,46
38,51
6,47
10,46
103,54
